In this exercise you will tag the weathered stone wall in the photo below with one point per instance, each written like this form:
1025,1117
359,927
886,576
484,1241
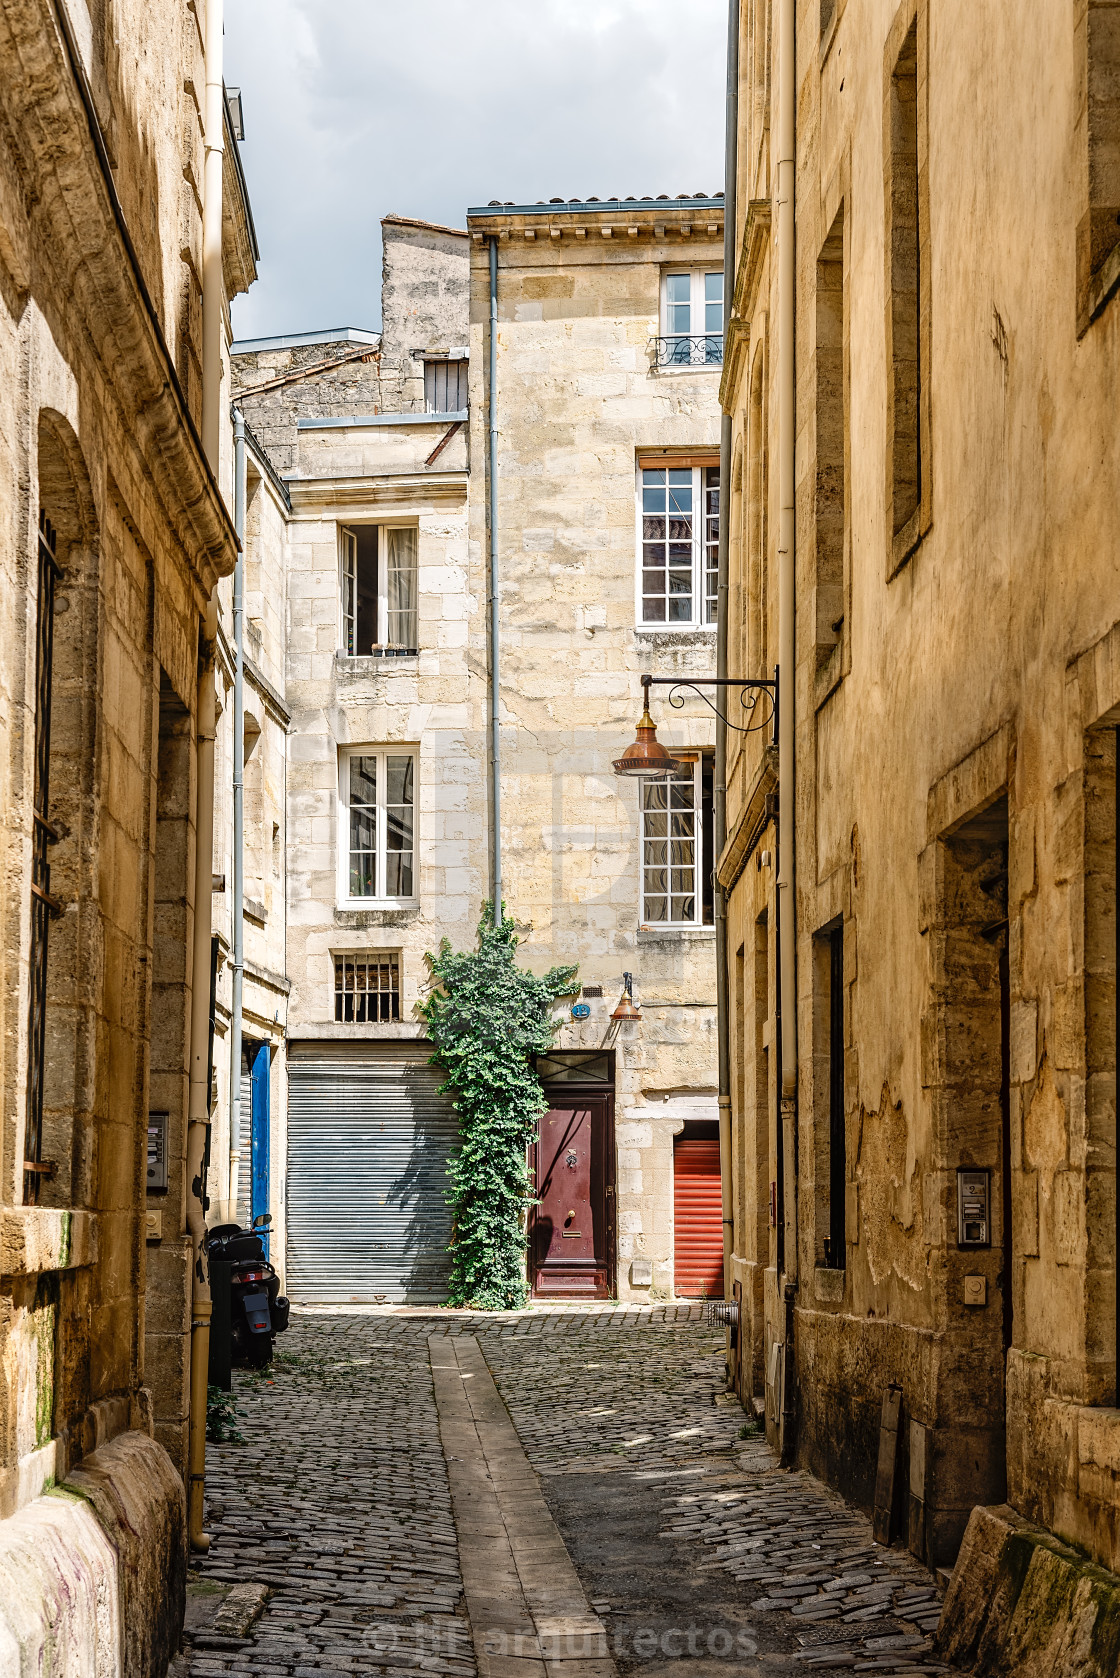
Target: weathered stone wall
424,309
100,346
359,474
267,723
954,768
578,397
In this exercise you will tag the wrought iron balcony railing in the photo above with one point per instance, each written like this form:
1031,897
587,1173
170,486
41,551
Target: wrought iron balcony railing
679,350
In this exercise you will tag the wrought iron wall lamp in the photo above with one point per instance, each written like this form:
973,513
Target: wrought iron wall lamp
648,757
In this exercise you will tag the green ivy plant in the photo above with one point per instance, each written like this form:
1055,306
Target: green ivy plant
486,1017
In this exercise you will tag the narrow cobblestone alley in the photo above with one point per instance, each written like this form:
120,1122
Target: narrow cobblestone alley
693,1550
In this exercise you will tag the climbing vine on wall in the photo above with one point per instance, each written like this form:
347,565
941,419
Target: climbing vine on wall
487,1017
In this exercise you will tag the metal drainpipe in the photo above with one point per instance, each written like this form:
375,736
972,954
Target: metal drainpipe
787,649
198,1110
719,798
238,975
495,726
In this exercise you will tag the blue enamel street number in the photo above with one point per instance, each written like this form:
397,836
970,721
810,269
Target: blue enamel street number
580,1011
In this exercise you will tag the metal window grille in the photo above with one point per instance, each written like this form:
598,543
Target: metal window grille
367,989
445,387
42,903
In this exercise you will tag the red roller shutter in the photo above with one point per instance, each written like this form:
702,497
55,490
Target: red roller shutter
697,1219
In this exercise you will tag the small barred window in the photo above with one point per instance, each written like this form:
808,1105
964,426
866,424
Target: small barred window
367,988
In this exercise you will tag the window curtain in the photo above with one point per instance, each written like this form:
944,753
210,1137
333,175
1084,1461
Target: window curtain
401,587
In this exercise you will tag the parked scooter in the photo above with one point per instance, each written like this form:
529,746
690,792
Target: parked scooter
258,1312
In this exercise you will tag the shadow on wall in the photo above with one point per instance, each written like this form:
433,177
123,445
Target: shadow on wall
418,1192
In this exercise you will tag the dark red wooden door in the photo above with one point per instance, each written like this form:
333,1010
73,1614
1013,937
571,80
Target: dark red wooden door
697,1219
570,1234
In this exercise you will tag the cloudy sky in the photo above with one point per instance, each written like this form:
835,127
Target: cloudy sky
354,108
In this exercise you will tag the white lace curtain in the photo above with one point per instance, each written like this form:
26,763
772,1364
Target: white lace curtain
401,587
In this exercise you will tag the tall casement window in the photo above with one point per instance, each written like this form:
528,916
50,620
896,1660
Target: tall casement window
831,441
677,858
379,590
367,987
42,903
1098,231
691,319
377,795
831,1151
908,488
678,519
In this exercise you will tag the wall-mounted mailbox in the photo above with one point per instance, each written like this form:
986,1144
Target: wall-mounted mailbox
974,1213
157,1153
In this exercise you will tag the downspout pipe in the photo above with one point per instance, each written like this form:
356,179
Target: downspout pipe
213,279
495,617
238,868
198,1108
787,666
719,798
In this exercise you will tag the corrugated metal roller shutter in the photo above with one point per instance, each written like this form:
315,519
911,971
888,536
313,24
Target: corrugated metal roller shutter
697,1219
368,1146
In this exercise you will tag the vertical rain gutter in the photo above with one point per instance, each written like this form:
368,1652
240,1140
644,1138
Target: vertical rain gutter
238,976
787,647
198,1110
719,799
495,724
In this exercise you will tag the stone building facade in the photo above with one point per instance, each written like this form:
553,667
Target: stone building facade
608,353
934,1236
375,601
115,535
379,442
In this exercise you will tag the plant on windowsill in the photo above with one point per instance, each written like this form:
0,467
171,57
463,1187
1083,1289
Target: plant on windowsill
487,1017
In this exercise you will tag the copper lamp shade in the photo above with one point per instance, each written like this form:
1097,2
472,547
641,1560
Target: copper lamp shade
645,757
626,1009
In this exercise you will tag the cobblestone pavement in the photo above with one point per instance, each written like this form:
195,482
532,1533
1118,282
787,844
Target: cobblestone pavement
699,1554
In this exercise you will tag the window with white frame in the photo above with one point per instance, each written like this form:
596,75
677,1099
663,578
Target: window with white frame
677,845
367,987
379,590
679,544
378,799
691,319
445,386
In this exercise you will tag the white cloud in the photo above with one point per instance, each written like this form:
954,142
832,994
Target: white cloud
354,108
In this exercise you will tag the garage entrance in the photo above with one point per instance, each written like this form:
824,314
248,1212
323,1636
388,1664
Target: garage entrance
697,1213
369,1141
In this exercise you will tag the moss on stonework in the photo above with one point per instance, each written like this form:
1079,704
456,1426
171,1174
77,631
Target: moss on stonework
64,1241
42,1333
1062,1591
1104,1639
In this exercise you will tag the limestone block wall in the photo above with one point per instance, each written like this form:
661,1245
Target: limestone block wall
424,310
267,723
430,703
955,767
579,399
99,356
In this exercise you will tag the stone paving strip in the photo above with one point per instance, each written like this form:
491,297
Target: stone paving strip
804,1560
528,1612
341,1503
337,1500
